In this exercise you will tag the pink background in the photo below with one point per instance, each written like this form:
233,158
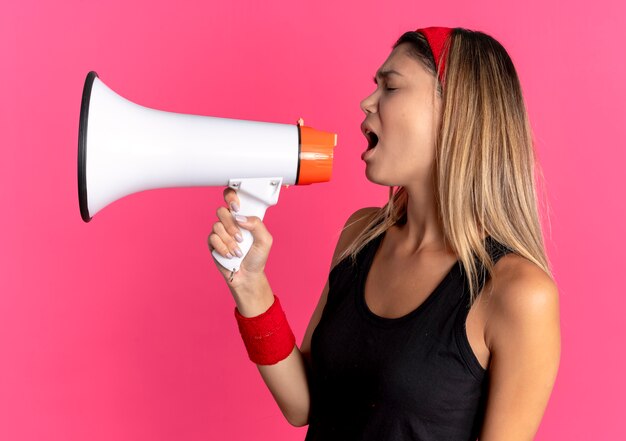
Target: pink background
123,329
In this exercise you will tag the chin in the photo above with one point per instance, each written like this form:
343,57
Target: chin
376,179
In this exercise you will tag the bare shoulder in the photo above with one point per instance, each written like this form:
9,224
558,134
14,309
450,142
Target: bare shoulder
522,332
522,292
354,226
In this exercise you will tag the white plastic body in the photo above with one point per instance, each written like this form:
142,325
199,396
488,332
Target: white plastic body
131,148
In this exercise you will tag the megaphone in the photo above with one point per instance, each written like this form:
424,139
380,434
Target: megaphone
125,148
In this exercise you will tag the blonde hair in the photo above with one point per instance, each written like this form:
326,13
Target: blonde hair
484,168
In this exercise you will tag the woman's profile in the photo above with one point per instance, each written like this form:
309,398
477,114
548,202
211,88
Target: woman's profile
440,317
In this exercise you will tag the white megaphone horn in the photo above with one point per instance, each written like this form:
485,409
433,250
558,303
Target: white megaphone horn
125,148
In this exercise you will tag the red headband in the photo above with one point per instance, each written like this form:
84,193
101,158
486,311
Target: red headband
436,37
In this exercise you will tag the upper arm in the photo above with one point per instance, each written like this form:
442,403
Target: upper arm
353,226
523,335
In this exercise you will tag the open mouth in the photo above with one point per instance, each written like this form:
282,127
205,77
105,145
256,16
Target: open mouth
372,140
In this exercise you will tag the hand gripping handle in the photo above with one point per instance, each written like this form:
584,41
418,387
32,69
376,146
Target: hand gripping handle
255,196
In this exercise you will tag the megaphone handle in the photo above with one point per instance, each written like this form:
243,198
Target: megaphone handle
255,196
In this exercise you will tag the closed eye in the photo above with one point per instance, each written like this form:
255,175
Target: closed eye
386,88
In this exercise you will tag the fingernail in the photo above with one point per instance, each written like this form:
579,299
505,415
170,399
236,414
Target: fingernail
234,206
238,238
238,252
230,256
241,218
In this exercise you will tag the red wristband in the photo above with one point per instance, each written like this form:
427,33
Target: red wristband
268,337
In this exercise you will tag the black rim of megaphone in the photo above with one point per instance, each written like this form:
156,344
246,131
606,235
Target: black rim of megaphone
82,146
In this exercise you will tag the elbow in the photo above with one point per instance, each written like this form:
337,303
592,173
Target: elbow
297,420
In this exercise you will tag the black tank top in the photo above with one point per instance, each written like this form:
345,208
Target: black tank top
409,378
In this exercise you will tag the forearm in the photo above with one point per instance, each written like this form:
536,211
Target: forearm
287,379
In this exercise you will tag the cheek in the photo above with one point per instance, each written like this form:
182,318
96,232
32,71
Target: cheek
408,123
415,129
414,141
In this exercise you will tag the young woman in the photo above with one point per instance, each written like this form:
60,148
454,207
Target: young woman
440,317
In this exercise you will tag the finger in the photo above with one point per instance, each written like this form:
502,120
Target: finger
220,266
215,243
256,226
231,198
229,224
233,248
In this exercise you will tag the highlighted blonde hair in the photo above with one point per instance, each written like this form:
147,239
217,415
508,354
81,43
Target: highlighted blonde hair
484,168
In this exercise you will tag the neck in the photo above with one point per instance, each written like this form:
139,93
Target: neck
423,231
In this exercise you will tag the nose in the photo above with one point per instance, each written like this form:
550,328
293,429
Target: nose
368,105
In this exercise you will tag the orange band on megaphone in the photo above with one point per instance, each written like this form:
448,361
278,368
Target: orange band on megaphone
316,155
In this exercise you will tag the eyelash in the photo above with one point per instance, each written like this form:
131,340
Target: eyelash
390,89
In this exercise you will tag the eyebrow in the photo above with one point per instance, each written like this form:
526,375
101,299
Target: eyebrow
385,74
